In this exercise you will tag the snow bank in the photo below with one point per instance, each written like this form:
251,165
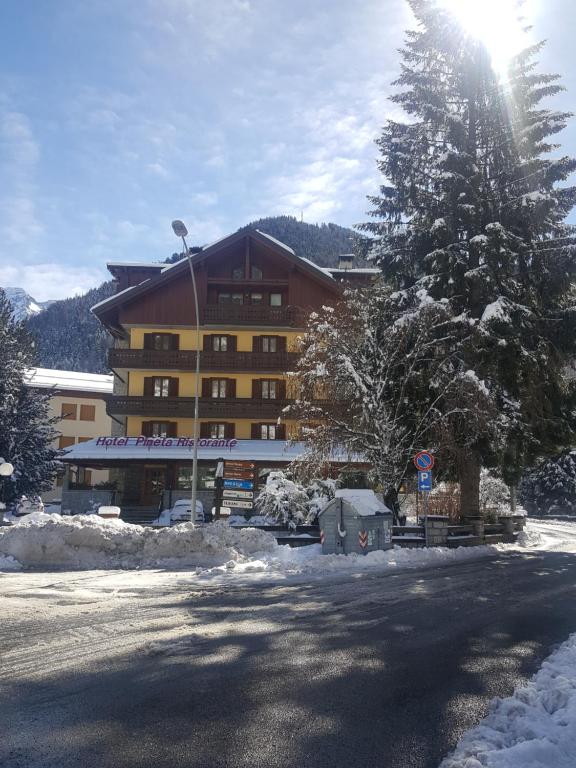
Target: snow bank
88,541
533,728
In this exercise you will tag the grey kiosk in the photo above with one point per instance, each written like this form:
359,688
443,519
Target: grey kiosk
355,521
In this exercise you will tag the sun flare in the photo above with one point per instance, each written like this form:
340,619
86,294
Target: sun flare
499,24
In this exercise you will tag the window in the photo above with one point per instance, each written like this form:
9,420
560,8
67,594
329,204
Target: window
65,442
269,344
275,299
256,298
161,341
237,298
269,390
206,477
81,476
268,431
218,387
223,298
255,273
68,411
220,343
217,431
230,298
161,387
87,413
160,429
238,273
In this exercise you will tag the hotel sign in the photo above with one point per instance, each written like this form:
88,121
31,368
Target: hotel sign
165,442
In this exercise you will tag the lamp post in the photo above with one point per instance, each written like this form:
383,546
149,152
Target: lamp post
180,230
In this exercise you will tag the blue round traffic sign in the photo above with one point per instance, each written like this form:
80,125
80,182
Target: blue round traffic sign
423,460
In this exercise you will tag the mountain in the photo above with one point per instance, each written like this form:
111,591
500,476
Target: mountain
23,304
68,336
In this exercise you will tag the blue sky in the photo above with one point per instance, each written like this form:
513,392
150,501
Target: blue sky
117,116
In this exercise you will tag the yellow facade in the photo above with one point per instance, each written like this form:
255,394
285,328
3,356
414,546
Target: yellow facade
186,379
244,339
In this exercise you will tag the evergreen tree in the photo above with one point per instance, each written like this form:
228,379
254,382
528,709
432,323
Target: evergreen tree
26,432
471,215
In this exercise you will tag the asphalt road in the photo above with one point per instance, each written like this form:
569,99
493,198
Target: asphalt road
100,671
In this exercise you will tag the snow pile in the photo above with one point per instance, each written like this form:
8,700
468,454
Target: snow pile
364,501
88,541
533,728
8,563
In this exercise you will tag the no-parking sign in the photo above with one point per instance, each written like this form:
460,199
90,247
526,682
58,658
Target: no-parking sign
423,461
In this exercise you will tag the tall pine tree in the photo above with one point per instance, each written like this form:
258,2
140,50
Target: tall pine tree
26,432
470,213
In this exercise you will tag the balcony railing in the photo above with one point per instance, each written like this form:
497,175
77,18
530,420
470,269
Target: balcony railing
248,314
209,408
185,360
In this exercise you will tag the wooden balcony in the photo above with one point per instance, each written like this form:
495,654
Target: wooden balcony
248,314
183,407
185,360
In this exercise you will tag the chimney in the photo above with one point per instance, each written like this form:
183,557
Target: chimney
345,261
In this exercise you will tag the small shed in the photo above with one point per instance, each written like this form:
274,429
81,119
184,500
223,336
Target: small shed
355,521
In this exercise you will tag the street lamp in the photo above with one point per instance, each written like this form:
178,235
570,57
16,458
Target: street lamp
180,230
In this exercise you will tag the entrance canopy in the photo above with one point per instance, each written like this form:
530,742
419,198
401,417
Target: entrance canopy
114,451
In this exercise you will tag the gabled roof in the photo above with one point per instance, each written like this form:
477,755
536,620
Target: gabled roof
169,271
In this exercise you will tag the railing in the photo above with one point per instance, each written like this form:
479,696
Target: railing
185,360
248,314
183,407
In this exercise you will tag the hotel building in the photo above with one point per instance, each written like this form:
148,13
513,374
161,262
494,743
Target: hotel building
254,297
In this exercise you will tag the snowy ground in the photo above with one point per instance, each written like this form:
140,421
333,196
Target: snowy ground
217,551
533,728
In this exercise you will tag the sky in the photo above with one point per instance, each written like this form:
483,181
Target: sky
117,116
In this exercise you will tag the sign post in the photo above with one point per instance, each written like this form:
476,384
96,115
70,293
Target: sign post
424,461
238,484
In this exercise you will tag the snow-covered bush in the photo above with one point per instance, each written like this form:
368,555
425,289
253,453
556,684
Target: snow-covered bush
494,495
551,486
283,499
319,493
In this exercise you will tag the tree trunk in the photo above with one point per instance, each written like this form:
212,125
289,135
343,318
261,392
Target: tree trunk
469,471
513,499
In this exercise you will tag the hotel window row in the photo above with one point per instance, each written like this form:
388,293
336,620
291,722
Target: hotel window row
216,430
216,388
165,342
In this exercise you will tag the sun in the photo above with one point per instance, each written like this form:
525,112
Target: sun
499,24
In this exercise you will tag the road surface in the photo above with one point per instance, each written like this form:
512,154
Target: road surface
122,670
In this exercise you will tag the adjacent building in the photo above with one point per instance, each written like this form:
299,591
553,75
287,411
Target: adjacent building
255,295
78,405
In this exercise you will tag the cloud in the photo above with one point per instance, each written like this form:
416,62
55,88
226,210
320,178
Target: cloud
51,280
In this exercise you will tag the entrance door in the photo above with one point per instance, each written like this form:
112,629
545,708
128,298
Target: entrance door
153,485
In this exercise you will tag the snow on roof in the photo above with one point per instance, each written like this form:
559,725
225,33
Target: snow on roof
139,264
115,295
364,501
278,242
48,378
151,449
356,270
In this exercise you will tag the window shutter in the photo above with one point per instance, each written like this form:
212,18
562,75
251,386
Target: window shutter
147,428
281,390
229,431
257,344
257,389
230,387
207,342
206,387
232,343
281,343
255,431
148,341
175,341
204,429
173,387
149,386
281,432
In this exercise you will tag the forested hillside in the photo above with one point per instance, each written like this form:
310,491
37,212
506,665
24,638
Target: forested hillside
68,336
